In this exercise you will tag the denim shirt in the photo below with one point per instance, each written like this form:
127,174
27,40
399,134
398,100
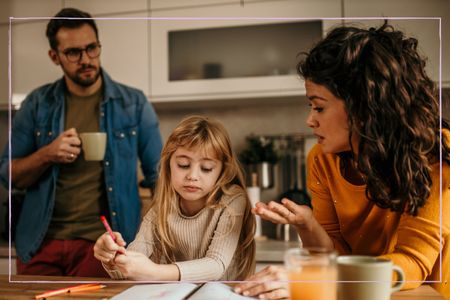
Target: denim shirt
133,132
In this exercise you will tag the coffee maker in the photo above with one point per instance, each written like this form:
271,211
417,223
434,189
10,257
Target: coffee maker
284,179
292,166
292,169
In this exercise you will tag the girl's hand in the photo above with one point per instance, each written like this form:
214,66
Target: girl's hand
286,213
136,266
269,283
105,249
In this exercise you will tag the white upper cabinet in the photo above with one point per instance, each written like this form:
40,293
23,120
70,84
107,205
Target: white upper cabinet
183,4
233,50
28,8
24,50
125,49
124,38
210,49
123,33
31,66
420,21
109,7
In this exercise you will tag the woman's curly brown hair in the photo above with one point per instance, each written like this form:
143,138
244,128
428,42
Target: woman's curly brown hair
391,104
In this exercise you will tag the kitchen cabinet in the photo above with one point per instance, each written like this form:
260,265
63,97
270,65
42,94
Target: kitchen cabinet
4,266
27,8
183,4
109,7
124,38
30,65
427,31
170,56
27,52
125,49
124,55
4,258
214,52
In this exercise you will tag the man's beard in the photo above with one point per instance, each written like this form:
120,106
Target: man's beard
84,82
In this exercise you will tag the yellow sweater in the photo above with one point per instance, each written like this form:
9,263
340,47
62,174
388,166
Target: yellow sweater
357,226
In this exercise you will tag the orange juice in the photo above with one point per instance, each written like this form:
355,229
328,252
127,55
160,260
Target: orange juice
313,283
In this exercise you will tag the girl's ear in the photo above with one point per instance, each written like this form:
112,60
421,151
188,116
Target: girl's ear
54,57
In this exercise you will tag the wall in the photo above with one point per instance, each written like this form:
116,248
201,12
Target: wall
413,24
242,118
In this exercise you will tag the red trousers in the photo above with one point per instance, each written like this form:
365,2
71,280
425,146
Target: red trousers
63,258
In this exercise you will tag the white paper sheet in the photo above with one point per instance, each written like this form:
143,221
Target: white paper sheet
177,291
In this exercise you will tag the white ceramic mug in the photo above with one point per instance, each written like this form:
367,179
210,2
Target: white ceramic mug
93,145
363,277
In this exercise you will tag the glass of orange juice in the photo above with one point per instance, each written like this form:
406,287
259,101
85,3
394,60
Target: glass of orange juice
312,273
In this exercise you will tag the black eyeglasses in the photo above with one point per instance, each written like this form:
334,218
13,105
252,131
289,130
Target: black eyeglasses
74,54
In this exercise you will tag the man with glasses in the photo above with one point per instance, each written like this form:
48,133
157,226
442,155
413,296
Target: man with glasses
65,194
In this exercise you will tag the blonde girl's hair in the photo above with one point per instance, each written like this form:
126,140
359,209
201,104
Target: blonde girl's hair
205,134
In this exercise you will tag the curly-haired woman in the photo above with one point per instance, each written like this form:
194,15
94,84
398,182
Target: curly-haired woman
382,162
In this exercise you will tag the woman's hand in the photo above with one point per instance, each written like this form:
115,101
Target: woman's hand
105,249
286,213
269,283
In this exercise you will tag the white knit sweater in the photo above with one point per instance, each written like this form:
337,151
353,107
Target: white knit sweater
205,243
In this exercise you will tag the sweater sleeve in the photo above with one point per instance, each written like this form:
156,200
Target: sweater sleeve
222,247
321,199
143,243
144,240
419,238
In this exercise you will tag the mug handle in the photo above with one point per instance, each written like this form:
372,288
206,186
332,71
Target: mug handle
400,278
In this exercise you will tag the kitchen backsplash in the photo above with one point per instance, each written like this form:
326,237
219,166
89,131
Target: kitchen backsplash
258,116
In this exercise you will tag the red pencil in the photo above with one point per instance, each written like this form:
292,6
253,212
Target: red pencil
108,228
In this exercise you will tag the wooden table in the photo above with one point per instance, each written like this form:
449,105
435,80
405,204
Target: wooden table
26,290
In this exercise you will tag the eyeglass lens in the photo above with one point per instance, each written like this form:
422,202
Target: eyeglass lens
74,54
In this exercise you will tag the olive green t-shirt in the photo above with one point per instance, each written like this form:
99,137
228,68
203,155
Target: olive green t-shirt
80,196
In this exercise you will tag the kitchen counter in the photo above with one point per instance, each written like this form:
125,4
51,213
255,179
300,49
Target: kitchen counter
4,249
268,252
272,251
7,265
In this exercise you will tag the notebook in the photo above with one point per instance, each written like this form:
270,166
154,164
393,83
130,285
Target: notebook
179,291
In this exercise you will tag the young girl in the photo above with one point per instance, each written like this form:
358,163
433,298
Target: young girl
199,225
